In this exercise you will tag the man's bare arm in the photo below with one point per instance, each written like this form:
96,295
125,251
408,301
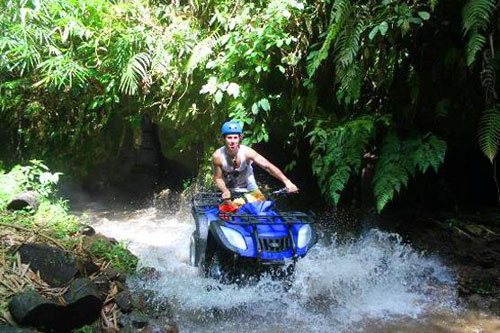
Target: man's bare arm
273,170
218,177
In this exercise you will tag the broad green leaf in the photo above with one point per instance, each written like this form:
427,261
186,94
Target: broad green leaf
233,89
255,108
218,96
264,104
373,33
424,15
209,88
383,27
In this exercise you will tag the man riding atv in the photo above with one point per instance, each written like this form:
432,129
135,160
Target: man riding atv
241,233
232,167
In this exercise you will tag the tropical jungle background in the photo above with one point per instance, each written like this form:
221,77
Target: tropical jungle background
374,100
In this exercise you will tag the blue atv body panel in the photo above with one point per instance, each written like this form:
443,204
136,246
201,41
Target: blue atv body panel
271,229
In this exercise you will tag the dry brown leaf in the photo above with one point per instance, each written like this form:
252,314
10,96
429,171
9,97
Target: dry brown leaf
8,318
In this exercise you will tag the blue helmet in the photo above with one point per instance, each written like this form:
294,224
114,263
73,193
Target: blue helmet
231,127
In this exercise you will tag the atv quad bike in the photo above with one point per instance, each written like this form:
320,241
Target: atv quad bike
254,239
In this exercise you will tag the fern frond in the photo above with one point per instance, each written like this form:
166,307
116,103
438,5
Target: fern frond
489,132
349,44
340,10
476,14
62,71
474,45
201,52
400,159
338,153
135,72
349,79
433,4
489,77
322,54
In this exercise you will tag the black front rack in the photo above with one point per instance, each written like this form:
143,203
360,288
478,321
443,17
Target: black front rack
281,218
201,200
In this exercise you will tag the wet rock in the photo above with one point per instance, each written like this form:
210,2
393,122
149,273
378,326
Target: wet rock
31,309
159,328
54,266
9,329
478,302
88,231
87,267
495,307
84,303
133,321
171,326
121,286
28,199
102,284
124,301
115,275
473,229
97,241
83,307
148,274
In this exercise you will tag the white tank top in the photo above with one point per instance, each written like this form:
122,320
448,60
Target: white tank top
241,178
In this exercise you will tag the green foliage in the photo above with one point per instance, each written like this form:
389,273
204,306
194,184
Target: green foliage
401,159
135,73
489,132
338,152
37,177
71,70
120,257
33,177
476,15
52,216
355,31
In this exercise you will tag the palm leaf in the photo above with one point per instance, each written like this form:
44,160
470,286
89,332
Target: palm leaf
135,72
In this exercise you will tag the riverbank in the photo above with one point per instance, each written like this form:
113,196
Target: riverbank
56,272
469,243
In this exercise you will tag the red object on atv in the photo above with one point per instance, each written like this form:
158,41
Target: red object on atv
226,208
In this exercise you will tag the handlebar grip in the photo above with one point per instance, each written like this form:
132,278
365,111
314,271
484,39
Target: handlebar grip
280,191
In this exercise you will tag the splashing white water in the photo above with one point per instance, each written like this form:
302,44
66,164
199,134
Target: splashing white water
337,287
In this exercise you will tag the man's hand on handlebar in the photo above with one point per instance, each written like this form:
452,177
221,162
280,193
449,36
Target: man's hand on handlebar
291,187
226,195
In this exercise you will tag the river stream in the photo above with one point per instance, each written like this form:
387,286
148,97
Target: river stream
371,283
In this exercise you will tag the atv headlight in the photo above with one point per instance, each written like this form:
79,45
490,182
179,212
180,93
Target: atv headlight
234,237
305,234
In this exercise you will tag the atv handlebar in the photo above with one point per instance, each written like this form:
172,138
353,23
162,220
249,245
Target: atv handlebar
214,198
282,191
237,195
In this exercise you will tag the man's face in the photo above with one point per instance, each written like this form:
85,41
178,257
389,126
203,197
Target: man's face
232,142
